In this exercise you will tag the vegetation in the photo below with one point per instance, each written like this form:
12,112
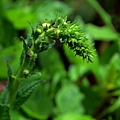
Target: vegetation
47,79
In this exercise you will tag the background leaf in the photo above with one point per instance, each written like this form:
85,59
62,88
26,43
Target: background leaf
69,99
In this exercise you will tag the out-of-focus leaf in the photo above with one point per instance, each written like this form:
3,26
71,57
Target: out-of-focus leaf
76,71
112,76
115,106
103,14
91,99
101,33
13,54
16,115
73,116
39,105
109,52
52,65
10,80
69,99
21,16
49,9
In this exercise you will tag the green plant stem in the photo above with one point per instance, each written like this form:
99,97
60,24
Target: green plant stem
17,81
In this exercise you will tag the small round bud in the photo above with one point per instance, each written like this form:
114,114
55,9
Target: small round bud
38,30
26,72
64,23
44,25
57,32
30,53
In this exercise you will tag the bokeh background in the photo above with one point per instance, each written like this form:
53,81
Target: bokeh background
74,89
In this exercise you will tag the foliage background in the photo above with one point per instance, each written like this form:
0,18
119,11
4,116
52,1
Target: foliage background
74,89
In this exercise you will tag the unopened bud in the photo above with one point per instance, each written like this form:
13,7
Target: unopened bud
26,72
30,53
64,23
57,32
44,25
38,30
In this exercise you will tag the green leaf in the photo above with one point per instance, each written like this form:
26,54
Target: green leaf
114,106
21,16
13,55
16,114
69,99
91,99
39,105
112,75
109,52
4,112
101,33
10,79
49,8
24,93
103,14
73,116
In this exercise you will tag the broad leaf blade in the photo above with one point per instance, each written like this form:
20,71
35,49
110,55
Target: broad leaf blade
24,93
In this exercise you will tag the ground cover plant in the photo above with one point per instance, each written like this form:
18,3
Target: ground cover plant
47,79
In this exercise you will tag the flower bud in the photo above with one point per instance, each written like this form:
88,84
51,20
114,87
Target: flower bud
26,72
58,33
38,30
30,53
45,25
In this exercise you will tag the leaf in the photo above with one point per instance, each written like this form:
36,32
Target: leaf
24,93
101,33
73,116
48,9
13,55
10,79
39,106
21,16
69,99
16,114
112,75
4,112
32,77
115,106
109,52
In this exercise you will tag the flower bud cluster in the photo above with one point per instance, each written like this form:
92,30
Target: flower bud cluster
76,40
67,33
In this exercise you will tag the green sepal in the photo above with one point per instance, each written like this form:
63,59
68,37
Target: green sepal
25,92
4,112
10,79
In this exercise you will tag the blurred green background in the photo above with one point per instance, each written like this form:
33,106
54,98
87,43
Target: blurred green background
74,89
